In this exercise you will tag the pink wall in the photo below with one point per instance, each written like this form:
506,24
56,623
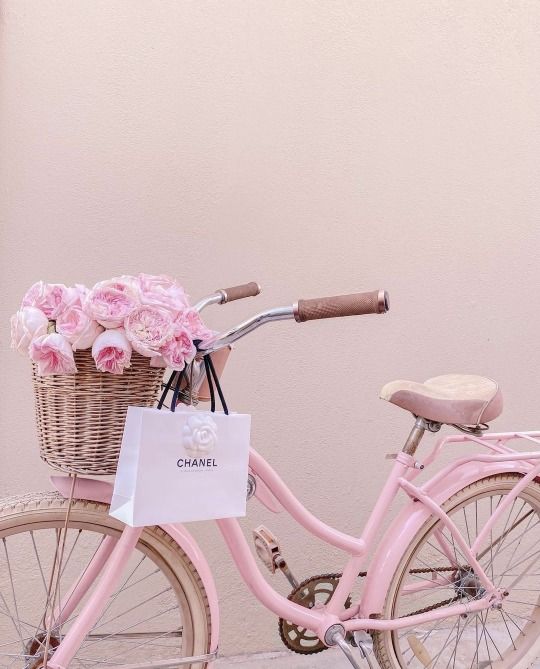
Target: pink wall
315,147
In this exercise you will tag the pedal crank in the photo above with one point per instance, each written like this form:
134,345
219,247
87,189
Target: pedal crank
269,552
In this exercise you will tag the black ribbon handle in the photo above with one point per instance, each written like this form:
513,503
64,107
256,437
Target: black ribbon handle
179,376
212,378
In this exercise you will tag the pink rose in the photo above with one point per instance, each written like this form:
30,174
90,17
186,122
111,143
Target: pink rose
27,324
51,298
191,320
110,302
172,355
178,351
76,295
162,291
149,329
77,327
53,355
183,336
157,361
112,351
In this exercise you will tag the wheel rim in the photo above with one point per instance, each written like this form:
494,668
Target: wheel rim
492,638
146,619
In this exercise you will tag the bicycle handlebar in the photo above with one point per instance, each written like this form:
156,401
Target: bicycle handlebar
375,302
357,304
224,295
250,289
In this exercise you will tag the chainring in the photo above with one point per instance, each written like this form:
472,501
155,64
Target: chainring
316,590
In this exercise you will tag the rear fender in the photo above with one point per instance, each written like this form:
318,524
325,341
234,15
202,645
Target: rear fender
409,521
101,491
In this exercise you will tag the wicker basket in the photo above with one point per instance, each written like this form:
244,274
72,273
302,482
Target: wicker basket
80,417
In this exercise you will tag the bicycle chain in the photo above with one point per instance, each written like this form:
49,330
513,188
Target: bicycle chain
432,607
286,627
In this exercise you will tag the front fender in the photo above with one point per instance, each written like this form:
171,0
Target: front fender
409,521
101,491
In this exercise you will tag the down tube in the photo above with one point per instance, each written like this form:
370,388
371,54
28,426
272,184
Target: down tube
250,573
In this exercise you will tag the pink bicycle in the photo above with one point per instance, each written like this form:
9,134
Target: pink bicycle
452,583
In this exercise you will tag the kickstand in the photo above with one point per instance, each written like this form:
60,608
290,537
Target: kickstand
340,641
364,652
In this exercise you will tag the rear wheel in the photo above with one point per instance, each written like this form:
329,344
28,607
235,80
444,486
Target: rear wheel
434,573
159,610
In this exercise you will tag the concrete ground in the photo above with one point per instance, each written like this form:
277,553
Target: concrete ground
330,659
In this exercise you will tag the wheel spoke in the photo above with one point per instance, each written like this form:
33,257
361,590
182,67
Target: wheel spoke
132,608
109,636
66,562
17,621
79,579
434,660
40,567
123,586
144,643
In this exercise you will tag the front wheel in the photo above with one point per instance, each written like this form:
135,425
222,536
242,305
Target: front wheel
158,612
433,574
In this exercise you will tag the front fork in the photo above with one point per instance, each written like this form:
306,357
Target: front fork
111,558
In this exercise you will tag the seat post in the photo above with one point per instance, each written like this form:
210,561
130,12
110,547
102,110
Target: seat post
415,436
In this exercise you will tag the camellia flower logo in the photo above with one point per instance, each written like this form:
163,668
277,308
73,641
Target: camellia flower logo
200,434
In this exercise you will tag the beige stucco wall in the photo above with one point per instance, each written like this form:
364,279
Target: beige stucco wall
316,147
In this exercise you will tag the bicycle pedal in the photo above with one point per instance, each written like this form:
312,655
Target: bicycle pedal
269,553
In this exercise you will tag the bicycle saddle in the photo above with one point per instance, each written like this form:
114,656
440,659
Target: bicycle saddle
462,399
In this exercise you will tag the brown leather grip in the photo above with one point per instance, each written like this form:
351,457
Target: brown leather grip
239,292
357,304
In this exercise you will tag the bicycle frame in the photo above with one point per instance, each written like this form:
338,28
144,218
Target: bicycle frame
426,501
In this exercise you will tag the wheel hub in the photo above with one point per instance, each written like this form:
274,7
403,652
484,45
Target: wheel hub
467,584
37,649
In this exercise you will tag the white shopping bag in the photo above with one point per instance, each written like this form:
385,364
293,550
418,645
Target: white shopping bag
181,466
